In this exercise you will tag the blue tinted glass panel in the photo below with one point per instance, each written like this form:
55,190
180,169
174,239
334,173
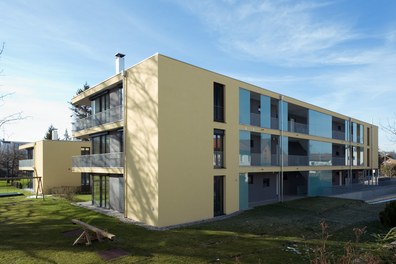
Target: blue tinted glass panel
319,182
320,153
244,148
265,111
320,124
347,131
283,114
244,106
361,134
284,150
265,150
243,192
354,132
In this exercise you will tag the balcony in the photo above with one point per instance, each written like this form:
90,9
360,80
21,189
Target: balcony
26,163
298,127
296,160
339,135
106,160
339,161
108,116
257,159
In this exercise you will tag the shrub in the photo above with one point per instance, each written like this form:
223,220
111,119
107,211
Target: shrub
388,215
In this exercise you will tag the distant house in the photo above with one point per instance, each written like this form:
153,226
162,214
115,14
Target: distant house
51,160
389,160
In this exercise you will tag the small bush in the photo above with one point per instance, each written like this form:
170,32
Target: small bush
388,215
67,192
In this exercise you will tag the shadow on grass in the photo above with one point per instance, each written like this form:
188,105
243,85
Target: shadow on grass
32,230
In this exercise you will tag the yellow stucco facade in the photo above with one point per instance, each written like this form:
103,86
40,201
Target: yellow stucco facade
168,140
52,160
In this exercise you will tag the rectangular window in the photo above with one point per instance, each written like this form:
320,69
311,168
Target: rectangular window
244,148
85,151
218,148
218,206
244,106
101,103
266,182
100,144
320,124
120,135
218,95
368,136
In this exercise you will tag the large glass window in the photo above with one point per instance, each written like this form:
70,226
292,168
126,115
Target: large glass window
360,154
265,150
319,182
244,106
100,192
285,151
244,148
101,103
265,111
218,95
283,120
360,134
320,153
320,124
100,144
218,154
354,132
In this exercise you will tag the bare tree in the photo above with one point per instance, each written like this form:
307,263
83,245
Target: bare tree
390,129
11,117
9,158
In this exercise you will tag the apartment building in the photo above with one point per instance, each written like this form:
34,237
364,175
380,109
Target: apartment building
174,143
51,160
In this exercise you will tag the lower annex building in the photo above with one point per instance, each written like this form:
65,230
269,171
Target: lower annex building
174,143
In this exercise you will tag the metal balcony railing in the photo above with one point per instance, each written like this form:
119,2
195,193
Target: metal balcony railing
26,163
106,160
108,116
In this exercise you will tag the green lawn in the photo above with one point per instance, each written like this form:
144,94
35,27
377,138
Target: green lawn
31,232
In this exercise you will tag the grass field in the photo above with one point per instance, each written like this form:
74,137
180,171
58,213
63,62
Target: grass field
32,232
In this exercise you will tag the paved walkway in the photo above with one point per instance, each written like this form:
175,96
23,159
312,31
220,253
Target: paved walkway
122,218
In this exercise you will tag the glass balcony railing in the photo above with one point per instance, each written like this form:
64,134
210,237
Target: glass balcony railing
218,159
26,163
298,127
106,160
296,160
339,161
257,159
108,116
339,135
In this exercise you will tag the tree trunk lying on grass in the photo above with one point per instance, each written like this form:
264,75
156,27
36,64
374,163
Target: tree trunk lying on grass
86,236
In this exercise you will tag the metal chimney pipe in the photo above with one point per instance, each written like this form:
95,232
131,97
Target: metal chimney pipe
119,62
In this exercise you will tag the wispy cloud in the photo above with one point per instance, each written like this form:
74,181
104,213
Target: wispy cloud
281,32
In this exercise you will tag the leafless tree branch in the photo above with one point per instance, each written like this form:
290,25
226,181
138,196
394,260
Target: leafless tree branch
390,129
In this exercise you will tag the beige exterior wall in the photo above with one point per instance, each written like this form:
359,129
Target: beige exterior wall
53,162
141,141
186,143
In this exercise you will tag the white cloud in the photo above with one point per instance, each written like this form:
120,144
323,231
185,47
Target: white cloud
281,32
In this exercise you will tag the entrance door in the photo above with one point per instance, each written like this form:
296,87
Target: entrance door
218,195
100,192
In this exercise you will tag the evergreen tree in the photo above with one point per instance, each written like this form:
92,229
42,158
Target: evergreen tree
48,134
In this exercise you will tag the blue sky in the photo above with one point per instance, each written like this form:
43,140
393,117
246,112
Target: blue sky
340,55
